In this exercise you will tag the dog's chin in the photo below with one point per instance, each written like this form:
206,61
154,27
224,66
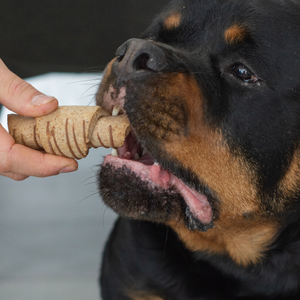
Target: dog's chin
129,196
138,187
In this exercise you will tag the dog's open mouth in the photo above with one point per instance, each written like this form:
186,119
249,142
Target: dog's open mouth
143,165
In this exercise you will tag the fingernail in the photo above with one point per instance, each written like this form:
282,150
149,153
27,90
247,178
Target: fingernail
67,169
41,100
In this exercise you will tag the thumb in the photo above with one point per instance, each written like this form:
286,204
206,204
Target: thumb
21,97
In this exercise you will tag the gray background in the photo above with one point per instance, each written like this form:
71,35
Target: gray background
52,233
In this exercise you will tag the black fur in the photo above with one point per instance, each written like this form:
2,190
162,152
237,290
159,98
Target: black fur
260,123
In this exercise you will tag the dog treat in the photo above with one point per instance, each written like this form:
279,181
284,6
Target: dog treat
70,131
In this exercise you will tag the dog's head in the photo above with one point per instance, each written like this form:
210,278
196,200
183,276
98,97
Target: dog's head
212,91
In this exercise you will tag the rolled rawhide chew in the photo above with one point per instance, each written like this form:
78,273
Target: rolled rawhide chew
70,131
107,128
23,130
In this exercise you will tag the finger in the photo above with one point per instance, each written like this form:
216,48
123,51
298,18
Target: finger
30,162
21,97
18,159
14,176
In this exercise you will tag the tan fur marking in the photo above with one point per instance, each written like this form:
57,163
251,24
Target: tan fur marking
230,177
173,21
140,295
289,186
205,152
244,245
235,34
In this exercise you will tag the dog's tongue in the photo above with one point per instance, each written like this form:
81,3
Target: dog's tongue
156,176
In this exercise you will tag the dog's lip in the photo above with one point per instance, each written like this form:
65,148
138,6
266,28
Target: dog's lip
151,172
145,166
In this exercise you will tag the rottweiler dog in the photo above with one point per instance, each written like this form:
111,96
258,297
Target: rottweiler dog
207,184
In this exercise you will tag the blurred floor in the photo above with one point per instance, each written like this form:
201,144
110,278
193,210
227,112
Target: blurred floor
52,231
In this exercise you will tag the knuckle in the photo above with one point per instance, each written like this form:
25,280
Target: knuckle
5,162
18,177
17,87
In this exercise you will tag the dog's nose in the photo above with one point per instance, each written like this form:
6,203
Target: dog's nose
136,54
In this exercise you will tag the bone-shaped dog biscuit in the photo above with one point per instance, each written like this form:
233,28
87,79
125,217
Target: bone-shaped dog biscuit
70,131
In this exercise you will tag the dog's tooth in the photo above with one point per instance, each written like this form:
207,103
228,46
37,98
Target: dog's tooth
114,152
156,164
144,151
136,157
116,110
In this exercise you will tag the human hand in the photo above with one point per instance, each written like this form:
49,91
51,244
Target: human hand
16,161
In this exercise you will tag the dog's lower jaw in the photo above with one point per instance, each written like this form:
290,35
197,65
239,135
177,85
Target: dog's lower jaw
193,223
130,196
124,192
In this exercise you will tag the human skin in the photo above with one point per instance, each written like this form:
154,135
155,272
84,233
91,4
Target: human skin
17,161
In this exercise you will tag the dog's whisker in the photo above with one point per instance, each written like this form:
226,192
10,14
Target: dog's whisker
87,179
89,196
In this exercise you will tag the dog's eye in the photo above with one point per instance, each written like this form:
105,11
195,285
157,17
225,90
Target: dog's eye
243,73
